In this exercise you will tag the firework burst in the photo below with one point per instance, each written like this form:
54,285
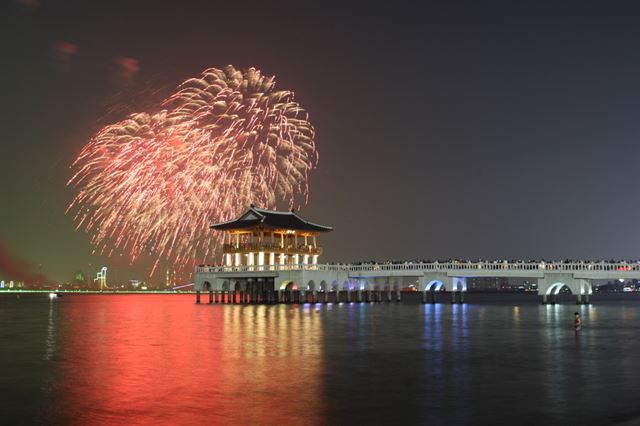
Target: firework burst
153,183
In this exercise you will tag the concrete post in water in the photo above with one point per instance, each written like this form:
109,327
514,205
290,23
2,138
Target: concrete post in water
586,299
314,297
433,296
453,296
359,296
388,296
210,296
461,296
326,296
198,296
578,299
398,295
544,299
348,296
424,297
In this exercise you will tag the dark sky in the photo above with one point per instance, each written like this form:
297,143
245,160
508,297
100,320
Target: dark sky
445,129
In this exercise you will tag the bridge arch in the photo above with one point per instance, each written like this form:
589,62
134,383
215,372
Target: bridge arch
586,288
288,286
225,285
556,287
206,286
323,285
311,285
435,285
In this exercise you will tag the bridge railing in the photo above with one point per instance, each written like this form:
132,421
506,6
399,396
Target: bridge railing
433,267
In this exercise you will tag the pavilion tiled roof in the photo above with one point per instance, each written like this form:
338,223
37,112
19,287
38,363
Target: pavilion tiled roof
255,216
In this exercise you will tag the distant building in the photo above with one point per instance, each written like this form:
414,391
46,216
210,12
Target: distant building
101,278
488,284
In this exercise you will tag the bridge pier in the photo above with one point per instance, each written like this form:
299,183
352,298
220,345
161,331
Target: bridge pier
198,296
210,296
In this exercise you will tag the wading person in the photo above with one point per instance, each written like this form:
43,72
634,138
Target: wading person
577,322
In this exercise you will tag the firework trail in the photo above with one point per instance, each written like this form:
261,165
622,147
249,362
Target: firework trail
154,182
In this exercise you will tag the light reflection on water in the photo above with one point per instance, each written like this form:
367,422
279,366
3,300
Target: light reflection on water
162,359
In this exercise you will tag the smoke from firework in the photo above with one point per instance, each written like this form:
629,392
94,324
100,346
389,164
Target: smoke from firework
13,267
154,182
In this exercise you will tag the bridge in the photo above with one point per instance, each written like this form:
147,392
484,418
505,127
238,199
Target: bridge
284,282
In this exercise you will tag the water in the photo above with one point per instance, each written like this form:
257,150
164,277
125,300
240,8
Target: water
158,359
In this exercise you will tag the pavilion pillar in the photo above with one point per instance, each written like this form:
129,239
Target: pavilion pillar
198,296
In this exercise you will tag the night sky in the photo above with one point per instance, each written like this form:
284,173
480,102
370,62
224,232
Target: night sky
444,129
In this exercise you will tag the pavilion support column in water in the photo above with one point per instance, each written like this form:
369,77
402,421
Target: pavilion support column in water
326,296
359,296
578,299
453,296
210,296
461,297
197,296
398,294
348,295
586,299
389,296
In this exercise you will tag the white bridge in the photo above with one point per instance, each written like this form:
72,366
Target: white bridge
388,277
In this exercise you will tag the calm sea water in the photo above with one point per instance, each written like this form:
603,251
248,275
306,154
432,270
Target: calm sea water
159,359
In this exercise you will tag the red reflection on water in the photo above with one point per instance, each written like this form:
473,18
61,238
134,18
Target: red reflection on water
149,359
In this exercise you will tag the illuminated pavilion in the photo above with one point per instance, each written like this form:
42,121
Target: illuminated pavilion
262,237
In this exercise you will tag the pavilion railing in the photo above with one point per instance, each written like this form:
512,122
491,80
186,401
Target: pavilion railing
268,247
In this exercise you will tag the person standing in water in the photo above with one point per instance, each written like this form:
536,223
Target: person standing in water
577,323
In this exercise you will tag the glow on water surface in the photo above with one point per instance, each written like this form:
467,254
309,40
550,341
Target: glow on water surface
158,359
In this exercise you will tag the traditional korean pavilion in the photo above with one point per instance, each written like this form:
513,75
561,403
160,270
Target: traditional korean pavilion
268,237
